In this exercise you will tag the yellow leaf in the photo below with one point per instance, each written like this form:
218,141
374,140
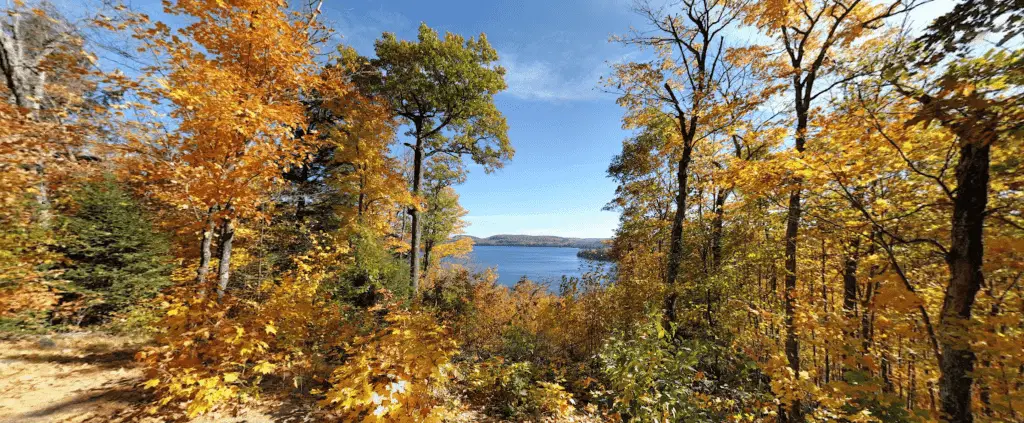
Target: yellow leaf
264,368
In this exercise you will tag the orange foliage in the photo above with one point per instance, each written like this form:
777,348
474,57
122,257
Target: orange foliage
234,77
393,371
210,353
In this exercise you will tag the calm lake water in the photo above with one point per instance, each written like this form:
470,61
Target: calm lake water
540,264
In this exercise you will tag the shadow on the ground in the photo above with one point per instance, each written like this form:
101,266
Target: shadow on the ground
106,360
293,404
296,411
121,396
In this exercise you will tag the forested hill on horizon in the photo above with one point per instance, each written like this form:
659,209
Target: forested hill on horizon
537,241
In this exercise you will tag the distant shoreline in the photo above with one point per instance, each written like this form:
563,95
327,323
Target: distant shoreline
595,254
537,241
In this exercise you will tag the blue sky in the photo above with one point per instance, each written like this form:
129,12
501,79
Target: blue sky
564,128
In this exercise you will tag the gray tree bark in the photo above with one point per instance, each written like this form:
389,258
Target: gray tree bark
205,253
227,235
26,82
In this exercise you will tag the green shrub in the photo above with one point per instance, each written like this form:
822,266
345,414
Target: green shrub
374,268
113,256
657,375
647,375
513,391
25,322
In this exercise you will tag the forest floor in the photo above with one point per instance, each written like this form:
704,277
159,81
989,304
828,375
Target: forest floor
93,378
88,377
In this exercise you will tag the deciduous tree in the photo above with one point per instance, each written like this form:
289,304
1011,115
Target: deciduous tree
810,35
443,88
233,78
683,82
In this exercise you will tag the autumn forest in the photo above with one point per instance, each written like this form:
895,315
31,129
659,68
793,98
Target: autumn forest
820,220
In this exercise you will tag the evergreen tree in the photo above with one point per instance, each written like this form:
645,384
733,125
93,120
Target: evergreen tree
113,255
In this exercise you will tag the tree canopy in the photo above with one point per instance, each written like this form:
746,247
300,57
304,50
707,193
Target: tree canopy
819,222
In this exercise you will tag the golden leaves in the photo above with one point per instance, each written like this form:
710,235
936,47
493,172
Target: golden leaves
393,370
363,139
234,78
264,367
212,353
458,248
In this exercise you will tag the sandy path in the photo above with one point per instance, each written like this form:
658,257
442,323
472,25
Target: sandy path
92,378
68,378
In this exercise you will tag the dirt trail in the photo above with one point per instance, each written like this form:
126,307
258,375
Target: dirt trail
90,378
72,377
93,378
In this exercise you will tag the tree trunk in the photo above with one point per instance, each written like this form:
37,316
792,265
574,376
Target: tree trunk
850,279
405,222
675,255
45,216
789,281
850,264
716,230
866,322
966,278
27,85
417,180
42,195
227,235
361,210
204,252
426,256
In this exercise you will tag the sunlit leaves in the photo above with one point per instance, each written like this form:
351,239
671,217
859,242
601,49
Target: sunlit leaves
392,371
234,78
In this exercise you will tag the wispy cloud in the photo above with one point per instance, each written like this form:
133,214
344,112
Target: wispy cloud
544,81
360,28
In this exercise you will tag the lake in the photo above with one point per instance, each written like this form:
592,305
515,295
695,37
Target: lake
540,264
